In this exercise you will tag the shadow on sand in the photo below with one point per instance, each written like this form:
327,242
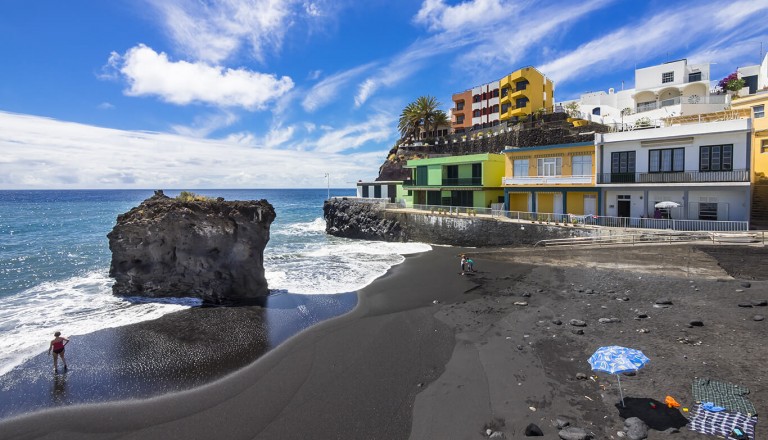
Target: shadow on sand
659,418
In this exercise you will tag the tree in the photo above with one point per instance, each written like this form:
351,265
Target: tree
731,82
573,109
422,114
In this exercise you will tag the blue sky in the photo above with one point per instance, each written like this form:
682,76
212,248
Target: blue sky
276,93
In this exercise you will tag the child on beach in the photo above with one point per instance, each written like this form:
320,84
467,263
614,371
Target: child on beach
470,265
463,263
57,346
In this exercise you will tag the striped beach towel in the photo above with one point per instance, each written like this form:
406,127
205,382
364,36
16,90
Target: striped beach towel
721,423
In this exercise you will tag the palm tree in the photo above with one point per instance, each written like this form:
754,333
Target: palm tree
421,115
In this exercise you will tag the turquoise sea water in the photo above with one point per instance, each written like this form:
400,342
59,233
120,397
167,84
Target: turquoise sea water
54,260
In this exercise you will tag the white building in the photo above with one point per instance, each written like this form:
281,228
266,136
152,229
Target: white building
670,89
485,105
755,77
704,167
384,190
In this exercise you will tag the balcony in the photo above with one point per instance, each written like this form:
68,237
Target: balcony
693,99
462,181
547,180
675,177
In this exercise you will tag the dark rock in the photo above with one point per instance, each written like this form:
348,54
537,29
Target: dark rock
745,305
608,320
577,331
557,322
760,302
758,318
581,376
746,284
348,219
577,323
642,315
573,433
636,428
526,295
561,423
589,292
622,298
664,301
210,249
533,431
696,323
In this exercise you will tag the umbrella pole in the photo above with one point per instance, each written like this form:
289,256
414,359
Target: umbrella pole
621,393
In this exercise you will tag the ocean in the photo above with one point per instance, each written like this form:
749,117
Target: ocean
54,261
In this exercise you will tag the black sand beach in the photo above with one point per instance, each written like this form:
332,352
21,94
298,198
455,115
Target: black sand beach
430,354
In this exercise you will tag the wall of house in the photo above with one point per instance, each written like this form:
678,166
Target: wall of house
483,199
519,202
637,202
574,202
759,133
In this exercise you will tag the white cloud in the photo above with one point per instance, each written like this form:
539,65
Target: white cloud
328,89
378,128
46,153
152,74
106,106
204,125
214,30
438,16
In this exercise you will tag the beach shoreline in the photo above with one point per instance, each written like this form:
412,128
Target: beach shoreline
429,353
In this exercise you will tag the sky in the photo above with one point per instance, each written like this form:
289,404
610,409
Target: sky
198,94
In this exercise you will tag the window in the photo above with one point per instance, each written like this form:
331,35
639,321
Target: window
476,113
421,175
495,93
581,166
476,98
505,107
521,85
495,108
452,171
460,105
695,76
504,92
596,111
377,191
520,168
764,146
477,171
550,166
708,208
716,158
666,160
460,119
623,162
521,102
759,111
667,77
365,191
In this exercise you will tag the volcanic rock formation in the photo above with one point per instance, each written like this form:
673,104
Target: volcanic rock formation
205,248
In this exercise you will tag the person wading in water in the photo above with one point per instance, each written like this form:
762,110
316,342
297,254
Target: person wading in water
57,346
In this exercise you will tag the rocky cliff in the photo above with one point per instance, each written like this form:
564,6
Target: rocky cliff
347,219
206,248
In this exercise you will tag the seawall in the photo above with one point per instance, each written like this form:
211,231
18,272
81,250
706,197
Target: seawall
370,221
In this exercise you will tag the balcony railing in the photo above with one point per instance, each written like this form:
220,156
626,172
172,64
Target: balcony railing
463,181
546,180
675,177
694,99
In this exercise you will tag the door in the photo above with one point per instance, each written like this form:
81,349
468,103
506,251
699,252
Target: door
590,204
557,206
623,206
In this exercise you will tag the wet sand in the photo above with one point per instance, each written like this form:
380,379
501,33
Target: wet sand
429,353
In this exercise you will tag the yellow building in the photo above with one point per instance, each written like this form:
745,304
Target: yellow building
524,92
757,103
556,179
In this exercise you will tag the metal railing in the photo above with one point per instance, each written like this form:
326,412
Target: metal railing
583,220
462,181
693,99
548,180
675,177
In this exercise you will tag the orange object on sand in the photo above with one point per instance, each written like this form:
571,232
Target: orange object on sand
671,402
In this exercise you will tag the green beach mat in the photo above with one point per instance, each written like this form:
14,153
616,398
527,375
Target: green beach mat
725,394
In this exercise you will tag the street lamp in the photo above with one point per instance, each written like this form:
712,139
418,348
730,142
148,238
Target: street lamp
328,180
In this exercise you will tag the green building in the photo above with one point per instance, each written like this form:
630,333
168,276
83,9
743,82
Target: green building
470,181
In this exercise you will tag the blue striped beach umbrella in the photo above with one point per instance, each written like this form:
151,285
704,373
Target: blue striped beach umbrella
615,359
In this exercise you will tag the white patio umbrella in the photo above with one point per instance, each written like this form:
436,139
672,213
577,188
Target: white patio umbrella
666,205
